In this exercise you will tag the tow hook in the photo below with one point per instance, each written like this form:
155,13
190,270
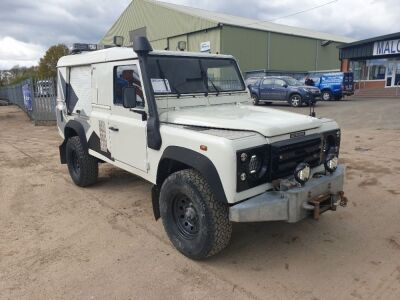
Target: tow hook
343,199
319,204
323,203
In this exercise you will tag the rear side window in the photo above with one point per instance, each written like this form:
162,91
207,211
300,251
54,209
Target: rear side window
127,76
252,81
269,82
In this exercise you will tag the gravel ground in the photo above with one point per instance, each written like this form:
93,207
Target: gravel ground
59,241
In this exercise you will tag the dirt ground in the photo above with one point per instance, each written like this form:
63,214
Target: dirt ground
61,241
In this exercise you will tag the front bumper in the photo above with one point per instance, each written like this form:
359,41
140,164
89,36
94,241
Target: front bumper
294,204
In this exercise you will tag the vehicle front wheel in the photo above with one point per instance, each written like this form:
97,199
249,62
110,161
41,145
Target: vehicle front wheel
255,99
326,96
295,100
195,221
82,167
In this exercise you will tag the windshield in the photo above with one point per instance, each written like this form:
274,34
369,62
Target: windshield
293,82
188,75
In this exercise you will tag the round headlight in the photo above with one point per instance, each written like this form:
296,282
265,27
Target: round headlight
331,163
243,157
302,173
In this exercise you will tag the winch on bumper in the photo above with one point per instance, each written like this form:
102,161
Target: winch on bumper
322,192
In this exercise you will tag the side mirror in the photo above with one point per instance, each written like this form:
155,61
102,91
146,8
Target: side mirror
129,97
285,85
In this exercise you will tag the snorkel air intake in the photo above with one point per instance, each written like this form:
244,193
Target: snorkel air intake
142,47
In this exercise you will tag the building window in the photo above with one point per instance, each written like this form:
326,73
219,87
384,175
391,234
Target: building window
359,69
377,69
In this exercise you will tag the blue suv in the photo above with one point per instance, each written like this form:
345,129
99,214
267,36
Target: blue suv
333,85
282,88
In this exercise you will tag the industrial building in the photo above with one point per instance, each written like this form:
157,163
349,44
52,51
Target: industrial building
375,62
258,45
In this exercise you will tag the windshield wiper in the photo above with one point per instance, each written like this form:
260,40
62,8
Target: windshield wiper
214,86
162,75
206,79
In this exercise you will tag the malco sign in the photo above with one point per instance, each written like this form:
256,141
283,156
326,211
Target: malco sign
387,47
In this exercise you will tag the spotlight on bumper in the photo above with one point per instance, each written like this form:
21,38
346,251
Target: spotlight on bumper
331,163
302,173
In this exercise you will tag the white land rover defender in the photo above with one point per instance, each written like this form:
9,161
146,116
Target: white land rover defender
185,123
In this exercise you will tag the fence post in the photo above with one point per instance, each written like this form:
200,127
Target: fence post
32,90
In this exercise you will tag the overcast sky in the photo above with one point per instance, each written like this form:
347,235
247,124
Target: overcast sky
28,28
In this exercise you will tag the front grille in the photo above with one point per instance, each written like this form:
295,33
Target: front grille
286,155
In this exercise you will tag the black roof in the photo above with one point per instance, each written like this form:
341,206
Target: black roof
395,35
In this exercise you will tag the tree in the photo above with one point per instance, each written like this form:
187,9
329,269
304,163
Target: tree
17,74
48,63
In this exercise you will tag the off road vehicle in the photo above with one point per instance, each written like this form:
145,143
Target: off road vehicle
185,123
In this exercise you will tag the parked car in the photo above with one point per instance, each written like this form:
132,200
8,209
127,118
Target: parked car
283,88
334,85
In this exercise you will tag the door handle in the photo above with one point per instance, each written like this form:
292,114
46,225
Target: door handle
113,128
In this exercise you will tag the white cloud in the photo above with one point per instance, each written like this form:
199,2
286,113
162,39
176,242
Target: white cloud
27,28
14,52
353,18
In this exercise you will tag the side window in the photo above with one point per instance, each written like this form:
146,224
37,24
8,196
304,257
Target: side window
279,83
127,76
268,83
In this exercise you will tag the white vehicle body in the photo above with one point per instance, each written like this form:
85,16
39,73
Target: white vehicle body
212,127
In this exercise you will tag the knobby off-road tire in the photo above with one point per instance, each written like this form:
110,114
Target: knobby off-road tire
82,167
195,221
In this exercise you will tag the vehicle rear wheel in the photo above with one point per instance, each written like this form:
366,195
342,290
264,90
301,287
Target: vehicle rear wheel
326,96
82,167
255,99
295,100
195,221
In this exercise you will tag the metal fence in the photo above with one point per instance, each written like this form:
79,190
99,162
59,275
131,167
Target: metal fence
261,73
37,97
299,75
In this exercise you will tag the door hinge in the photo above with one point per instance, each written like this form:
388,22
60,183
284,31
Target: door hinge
147,166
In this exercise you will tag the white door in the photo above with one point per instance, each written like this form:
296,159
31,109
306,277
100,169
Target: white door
126,127
390,74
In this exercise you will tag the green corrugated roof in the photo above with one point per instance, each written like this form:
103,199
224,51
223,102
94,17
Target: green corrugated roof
127,22
253,23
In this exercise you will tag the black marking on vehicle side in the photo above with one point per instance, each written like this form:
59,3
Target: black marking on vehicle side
94,144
